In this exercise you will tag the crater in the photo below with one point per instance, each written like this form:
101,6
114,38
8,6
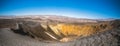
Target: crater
60,32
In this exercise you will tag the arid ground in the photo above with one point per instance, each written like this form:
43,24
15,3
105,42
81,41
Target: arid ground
58,31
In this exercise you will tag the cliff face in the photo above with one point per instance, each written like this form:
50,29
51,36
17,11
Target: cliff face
82,30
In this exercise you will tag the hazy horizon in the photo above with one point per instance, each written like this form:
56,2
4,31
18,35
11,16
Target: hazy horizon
99,9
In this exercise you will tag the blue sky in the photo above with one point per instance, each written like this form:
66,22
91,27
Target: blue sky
72,8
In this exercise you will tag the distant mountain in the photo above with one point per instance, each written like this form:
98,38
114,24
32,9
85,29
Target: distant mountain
52,17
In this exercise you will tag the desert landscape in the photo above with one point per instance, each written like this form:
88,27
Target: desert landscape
52,30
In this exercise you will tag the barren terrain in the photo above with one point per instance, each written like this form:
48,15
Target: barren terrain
58,31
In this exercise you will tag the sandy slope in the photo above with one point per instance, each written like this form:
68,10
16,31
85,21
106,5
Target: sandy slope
8,38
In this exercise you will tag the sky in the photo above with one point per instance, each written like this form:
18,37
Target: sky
93,9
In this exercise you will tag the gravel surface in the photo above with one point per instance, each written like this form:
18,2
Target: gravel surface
8,38
109,38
